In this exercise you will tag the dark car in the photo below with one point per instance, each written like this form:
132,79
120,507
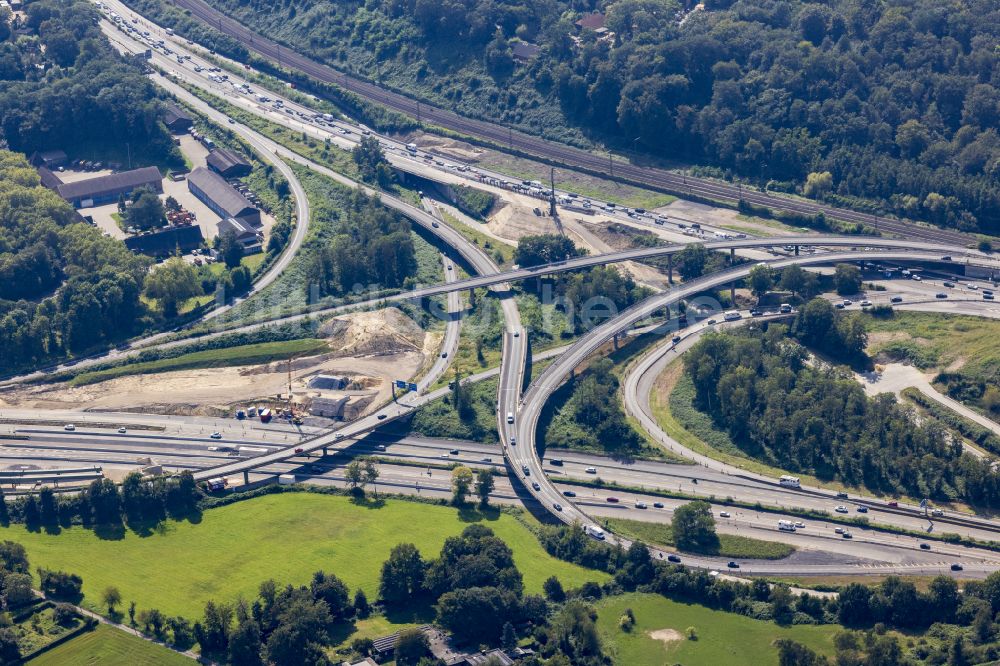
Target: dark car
948,284
925,546
755,312
673,558
733,565
676,339
956,567
842,495
381,416
454,452
940,295
613,500
298,450
862,509
569,493
657,505
896,299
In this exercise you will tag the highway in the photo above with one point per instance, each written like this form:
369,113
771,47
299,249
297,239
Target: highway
550,151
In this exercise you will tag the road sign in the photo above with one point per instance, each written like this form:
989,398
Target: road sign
400,384
412,387
923,504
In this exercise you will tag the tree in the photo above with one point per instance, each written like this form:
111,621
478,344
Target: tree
17,590
241,279
111,597
760,281
131,613
10,649
369,157
246,642
847,278
553,589
799,281
146,211
329,589
694,527
544,249
171,204
791,653
461,481
411,646
171,283
818,184
361,606
403,575
854,605
230,249
508,640
370,471
691,261
484,486
354,474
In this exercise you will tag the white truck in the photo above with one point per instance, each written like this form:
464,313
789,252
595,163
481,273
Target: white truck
594,531
787,481
786,526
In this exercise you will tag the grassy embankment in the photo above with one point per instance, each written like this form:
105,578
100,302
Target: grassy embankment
264,352
287,537
730,545
723,639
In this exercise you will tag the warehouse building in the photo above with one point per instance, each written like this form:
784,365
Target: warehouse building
107,189
228,164
50,159
221,197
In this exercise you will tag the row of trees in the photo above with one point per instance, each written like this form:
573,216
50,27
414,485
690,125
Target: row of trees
139,503
757,386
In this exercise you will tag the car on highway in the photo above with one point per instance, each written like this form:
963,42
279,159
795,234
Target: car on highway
711,322
862,509
486,460
454,452
896,299
612,500
946,258
987,297
838,530
893,503
556,461
846,535
841,509
513,440
381,417
216,435
444,354
380,447
937,513
925,546
122,431
948,284
940,294
799,525
956,567
69,427
673,558
640,505
657,505
557,506
866,303
534,484
299,450
445,455
973,287
723,514
842,495
524,468
591,470
733,565
569,493
435,225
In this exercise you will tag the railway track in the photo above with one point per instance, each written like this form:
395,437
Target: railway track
550,151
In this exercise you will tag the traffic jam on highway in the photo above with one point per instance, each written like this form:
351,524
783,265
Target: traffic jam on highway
517,414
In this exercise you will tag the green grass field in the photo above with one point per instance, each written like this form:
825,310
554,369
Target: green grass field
724,639
107,646
934,341
284,536
263,352
730,545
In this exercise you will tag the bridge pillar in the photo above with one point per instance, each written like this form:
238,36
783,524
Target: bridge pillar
615,341
732,292
732,256
324,451
670,268
796,250
246,478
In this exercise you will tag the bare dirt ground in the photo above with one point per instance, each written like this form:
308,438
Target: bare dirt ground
666,636
370,348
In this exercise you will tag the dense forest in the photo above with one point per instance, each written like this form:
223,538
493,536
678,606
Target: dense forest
814,420
64,286
896,99
62,86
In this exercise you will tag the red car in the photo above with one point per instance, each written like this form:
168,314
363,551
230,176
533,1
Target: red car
613,500
893,504
298,450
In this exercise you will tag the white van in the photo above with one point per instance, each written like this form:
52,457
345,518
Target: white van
594,531
510,417
732,315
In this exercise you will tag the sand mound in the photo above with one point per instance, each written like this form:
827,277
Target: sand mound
510,221
666,636
379,333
